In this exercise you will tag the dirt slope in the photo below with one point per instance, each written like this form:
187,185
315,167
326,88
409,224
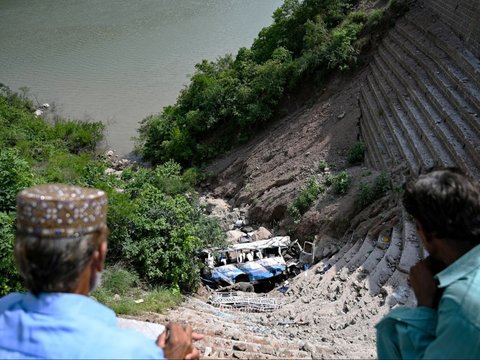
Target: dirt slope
268,172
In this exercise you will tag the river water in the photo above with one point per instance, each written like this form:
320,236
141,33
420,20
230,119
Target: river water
118,60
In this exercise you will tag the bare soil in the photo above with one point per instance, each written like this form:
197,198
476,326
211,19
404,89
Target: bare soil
266,174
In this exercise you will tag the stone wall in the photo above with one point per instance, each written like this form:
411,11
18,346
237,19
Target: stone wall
463,16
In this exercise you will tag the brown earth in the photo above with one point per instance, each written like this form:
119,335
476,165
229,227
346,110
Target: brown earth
267,173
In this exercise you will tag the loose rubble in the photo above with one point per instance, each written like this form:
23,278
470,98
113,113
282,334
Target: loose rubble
252,253
116,165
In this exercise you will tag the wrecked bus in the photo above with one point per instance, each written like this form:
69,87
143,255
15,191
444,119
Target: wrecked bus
252,262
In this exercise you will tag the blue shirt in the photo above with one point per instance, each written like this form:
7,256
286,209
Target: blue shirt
60,326
450,332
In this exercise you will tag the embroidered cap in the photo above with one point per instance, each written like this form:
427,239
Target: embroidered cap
58,210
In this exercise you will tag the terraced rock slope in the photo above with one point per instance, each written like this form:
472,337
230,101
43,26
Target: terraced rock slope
421,99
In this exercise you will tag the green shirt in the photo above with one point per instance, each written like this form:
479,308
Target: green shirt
450,332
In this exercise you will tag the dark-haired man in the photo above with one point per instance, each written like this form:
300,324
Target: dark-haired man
60,250
446,322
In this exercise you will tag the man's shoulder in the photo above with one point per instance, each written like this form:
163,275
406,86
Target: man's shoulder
465,289
68,326
462,298
10,300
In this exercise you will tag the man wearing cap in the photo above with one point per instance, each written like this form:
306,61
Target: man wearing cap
60,250
446,322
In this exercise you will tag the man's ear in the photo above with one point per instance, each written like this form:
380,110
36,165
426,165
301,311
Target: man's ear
429,240
424,234
100,254
102,250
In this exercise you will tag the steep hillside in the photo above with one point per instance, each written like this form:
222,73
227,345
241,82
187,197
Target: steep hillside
415,105
268,172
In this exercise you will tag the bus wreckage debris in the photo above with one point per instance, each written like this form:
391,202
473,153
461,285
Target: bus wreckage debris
242,302
263,263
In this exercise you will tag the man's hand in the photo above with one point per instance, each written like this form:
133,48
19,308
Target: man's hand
423,284
176,342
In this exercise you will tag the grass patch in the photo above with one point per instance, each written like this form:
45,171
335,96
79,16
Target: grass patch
356,153
340,182
122,291
305,199
373,191
322,166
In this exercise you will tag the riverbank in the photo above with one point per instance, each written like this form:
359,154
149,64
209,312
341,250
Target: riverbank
118,61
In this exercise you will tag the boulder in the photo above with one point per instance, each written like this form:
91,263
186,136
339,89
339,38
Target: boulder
239,224
247,229
261,234
233,236
325,246
220,209
216,206
240,346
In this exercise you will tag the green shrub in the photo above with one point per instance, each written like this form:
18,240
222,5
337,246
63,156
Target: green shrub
56,152
328,180
159,234
375,18
341,182
322,166
63,167
121,290
166,177
342,52
372,192
165,240
79,136
356,153
118,280
15,175
305,199
10,280
193,176
294,213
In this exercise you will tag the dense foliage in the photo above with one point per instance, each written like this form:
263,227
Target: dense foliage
155,226
9,278
154,217
229,99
